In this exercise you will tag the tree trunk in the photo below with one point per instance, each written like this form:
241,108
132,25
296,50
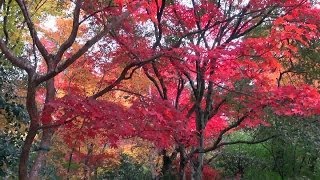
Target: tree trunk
42,153
24,156
198,164
47,134
69,163
183,162
197,168
182,168
166,163
34,124
86,168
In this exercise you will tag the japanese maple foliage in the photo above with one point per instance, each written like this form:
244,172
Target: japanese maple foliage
209,68
213,74
229,74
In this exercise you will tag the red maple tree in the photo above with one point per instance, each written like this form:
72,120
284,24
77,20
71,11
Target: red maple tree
214,66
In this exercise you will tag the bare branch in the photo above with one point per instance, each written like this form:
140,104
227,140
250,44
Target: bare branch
113,25
123,75
209,101
231,90
128,91
220,136
160,78
154,81
246,142
32,30
232,126
216,109
19,62
180,88
6,9
192,84
75,26
55,125
159,15
281,75
257,24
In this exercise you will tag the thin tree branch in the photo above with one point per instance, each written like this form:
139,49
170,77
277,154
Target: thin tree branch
6,9
220,136
216,109
49,126
160,78
180,88
123,75
113,25
246,142
281,76
128,91
19,62
75,26
32,30
159,15
154,81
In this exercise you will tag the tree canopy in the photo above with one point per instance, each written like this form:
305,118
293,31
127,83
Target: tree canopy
185,81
